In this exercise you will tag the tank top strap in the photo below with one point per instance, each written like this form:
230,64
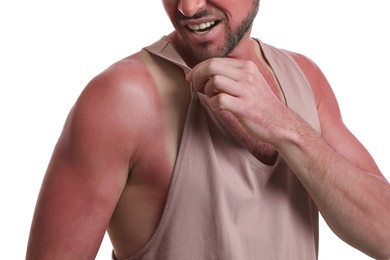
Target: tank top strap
295,86
221,204
164,48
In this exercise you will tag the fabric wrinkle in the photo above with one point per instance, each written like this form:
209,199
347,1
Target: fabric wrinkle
223,203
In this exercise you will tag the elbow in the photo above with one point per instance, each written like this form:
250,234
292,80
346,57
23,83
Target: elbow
376,242
380,256
382,251
385,254
378,253
382,234
385,241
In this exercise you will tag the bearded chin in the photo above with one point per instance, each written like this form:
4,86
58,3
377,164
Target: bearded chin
232,39
203,51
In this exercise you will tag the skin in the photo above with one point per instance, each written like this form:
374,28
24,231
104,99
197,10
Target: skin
108,173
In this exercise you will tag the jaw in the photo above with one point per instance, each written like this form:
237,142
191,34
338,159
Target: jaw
211,33
197,47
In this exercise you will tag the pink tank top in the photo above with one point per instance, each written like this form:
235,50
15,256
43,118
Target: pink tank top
225,204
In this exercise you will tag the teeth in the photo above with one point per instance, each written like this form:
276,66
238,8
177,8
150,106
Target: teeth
201,26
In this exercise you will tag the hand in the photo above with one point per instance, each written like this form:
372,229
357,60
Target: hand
238,86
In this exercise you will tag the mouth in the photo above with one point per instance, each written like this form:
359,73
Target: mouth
201,28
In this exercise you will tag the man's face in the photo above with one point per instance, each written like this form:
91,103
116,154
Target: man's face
211,28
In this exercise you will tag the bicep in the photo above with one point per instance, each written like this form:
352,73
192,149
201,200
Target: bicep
72,212
77,198
84,180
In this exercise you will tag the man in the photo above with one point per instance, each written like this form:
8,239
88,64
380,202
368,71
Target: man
208,144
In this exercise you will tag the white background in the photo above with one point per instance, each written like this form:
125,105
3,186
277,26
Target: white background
49,51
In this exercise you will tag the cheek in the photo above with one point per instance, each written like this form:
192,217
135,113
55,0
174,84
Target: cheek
235,10
243,8
170,7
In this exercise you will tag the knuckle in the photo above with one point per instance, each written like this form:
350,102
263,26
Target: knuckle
216,80
217,102
212,65
249,65
249,69
247,77
223,100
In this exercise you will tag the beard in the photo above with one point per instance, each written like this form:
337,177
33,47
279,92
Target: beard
232,38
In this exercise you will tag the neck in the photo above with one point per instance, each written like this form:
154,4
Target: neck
246,49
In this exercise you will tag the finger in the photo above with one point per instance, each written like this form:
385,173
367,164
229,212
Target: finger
206,70
221,84
223,101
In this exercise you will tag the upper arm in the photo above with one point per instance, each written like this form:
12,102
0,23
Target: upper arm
333,129
88,169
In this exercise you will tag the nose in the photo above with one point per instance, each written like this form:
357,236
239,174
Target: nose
190,7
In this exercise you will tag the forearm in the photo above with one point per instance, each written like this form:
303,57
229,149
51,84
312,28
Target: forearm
354,203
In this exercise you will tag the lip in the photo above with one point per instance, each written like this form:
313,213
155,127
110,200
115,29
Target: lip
200,37
200,27
201,30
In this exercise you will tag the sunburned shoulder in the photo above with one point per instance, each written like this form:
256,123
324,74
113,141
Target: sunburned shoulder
305,63
125,83
129,74
318,82
115,103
